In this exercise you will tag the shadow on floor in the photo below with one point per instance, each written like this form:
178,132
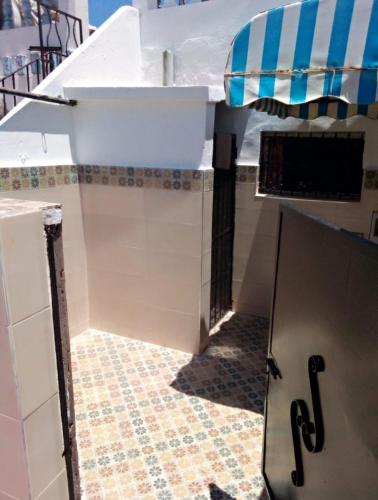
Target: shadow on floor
218,494
231,371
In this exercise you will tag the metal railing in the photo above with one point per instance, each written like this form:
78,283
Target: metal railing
63,32
33,72
59,34
160,3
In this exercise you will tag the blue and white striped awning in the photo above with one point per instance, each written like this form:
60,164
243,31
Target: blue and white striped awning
315,50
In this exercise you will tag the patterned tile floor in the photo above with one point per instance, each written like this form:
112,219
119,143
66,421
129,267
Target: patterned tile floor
155,423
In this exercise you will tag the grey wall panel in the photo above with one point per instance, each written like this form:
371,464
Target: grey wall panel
325,303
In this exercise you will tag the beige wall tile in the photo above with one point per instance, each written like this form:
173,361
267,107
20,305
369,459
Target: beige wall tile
124,260
114,230
115,315
167,292
112,200
187,269
207,221
23,247
73,234
57,490
244,196
174,329
184,239
4,315
8,387
13,467
44,444
256,224
35,360
173,206
117,286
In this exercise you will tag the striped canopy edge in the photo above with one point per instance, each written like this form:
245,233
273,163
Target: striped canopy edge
315,50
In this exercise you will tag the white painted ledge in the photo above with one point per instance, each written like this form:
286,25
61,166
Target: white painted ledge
169,94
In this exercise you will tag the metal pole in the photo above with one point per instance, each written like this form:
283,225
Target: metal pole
41,45
39,97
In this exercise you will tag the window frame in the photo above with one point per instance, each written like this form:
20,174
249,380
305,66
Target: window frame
262,190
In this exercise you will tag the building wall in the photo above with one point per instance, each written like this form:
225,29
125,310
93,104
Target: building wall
256,215
31,462
147,253
199,37
103,59
256,225
160,128
58,184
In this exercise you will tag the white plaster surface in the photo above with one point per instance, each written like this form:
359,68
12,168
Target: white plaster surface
36,133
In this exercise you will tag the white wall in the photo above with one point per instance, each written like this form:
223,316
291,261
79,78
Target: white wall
199,35
158,131
37,133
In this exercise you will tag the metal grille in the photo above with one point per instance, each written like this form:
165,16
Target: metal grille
324,166
222,243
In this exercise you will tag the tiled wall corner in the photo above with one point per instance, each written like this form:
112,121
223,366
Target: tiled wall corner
143,230
44,445
30,424
256,222
14,481
35,360
58,184
25,272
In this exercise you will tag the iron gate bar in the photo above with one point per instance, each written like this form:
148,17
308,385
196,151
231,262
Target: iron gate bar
222,237
38,97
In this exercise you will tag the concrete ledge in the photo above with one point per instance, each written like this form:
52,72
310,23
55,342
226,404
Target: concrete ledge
169,94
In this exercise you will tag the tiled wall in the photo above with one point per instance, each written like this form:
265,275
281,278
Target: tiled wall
31,463
143,263
256,222
148,253
58,184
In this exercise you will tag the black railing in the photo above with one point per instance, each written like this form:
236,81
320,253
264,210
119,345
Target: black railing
63,32
160,3
59,34
33,71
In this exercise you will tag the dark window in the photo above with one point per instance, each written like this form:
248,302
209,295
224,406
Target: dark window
324,166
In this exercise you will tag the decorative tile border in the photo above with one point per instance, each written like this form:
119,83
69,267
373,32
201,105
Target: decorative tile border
158,178
30,178
371,179
246,174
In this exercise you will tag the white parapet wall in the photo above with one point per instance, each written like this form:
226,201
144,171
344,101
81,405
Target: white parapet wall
36,133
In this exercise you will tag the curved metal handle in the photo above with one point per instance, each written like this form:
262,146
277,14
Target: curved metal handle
301,424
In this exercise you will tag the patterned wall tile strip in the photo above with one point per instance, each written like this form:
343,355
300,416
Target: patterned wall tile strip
371,179
30,178
16,179
246,174
158,178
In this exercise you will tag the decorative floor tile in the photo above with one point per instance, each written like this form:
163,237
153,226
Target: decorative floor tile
155,423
